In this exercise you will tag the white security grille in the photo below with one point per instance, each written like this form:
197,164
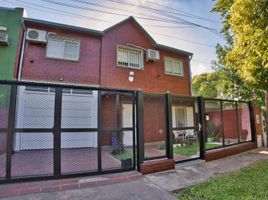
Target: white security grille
173,66
129,57
63,48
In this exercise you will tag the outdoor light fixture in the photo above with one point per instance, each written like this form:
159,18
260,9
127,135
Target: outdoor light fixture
131,76
207,117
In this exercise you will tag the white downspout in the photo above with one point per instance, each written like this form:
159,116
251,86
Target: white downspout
21,55
190,73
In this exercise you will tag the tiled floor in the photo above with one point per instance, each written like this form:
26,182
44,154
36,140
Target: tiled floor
40,162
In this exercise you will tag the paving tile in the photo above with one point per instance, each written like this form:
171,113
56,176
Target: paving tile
50,188
69,186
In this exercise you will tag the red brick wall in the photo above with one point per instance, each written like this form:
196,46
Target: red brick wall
87,71
227,151
229,124
152,78
154,119
37,67
108,117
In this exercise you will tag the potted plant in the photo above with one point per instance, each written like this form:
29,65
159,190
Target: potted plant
118,149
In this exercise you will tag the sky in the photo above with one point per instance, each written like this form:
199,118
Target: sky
184,24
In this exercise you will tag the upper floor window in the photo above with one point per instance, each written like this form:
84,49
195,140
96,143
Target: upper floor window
173,66
63,48
129,57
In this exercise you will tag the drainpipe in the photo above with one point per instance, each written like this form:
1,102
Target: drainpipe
22,53
190,73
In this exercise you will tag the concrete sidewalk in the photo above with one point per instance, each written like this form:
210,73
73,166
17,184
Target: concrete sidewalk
184,176
159,185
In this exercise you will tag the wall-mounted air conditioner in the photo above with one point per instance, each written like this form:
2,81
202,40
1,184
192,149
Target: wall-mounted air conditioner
3,38
37,36
152,54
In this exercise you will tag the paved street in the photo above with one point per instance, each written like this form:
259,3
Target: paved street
156,186
132,190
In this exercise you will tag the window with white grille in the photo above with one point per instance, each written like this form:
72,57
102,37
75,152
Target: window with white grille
63,48
129,57
173,66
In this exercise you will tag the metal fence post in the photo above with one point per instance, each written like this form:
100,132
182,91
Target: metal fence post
169,151
11,124
99,132
252,122
57,132
140,128
202,131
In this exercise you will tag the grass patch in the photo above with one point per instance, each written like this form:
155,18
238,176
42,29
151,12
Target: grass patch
128,153
188,150
249,183
191,149
210,146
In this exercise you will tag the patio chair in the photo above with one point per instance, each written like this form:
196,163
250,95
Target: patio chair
191,136
179,136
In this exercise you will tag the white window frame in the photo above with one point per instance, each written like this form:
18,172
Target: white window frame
140,51
173,60
63,39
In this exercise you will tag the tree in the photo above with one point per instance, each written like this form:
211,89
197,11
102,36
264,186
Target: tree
205,85
249,55
245,27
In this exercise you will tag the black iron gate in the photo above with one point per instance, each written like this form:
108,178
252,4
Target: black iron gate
52,131
169,126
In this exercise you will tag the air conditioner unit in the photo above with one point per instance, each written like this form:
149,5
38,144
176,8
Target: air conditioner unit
37,36
152,54
3,38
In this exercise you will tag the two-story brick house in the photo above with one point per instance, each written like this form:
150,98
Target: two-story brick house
115,58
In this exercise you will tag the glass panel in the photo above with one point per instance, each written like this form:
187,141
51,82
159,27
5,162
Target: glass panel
55,48
35,108
71,50
177,67
79,152
129,57
80,109
185,119
116,144
112,108
154,126
32,154
134,58
117,150
244,122
168,66
230,123
62,48
122,56
214,126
